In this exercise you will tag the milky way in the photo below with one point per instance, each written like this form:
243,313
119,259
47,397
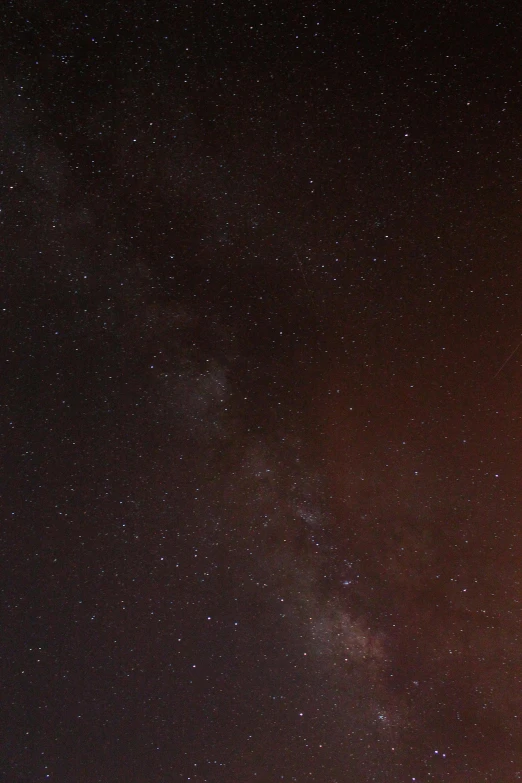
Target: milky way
261,308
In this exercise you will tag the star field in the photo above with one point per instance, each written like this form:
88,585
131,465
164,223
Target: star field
260,316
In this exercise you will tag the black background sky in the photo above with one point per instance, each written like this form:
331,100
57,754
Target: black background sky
261,457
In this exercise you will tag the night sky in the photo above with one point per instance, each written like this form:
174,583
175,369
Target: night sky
261,309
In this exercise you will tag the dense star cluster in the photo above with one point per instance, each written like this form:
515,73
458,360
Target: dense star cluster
261,318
